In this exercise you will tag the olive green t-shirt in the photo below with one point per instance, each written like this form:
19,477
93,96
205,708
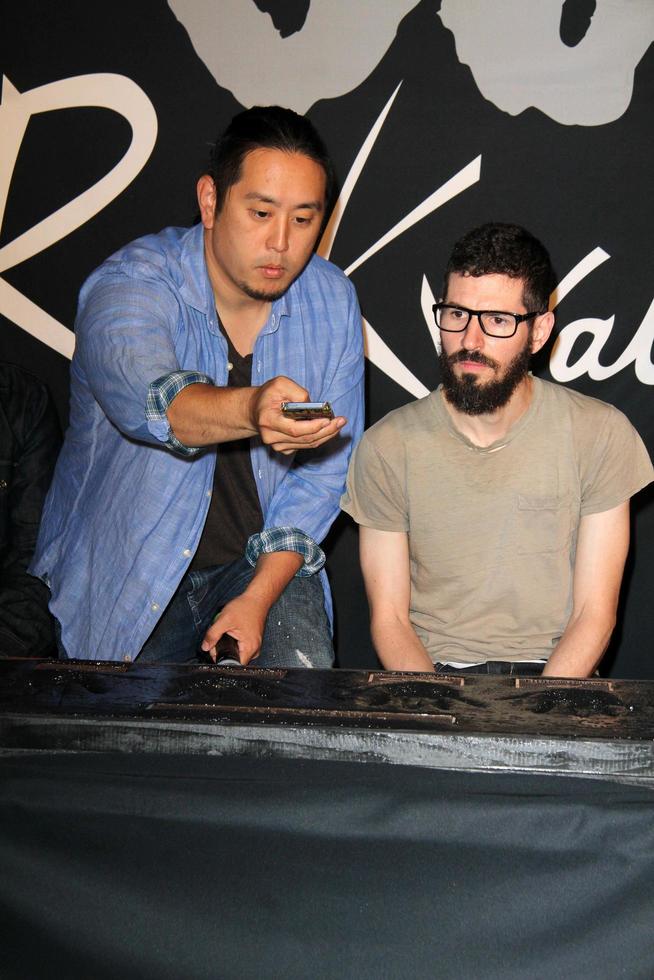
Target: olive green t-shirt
492,531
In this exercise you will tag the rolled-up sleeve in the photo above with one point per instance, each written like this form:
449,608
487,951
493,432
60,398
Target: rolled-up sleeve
287,539
126,350
161,394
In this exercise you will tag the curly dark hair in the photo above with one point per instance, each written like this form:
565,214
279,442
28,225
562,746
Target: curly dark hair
266,127
508,250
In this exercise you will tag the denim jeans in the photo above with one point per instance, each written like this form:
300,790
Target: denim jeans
296,633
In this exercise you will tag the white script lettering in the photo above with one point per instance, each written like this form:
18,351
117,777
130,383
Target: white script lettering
638,351
105,91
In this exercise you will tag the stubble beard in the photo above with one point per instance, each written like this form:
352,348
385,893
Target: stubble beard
269,296
263,295
466,394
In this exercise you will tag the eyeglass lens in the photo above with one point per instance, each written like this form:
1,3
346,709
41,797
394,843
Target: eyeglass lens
495,324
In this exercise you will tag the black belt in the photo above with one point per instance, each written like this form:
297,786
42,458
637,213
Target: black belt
517,668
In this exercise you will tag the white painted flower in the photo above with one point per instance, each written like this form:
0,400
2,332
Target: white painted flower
518,60
340,44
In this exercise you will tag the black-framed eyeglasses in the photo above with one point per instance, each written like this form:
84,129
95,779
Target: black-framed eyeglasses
494,323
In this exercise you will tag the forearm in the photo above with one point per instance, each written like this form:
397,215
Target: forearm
602,544
581,647
272,573
204,415
398,646
385,566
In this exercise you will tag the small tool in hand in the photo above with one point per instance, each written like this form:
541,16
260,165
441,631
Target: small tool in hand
227,652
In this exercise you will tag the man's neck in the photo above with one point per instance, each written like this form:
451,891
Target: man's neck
241,315
243,321
484,430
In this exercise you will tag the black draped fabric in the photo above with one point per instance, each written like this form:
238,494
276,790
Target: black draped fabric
197,867
29,445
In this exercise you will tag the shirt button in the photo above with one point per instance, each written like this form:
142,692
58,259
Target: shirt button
260,475
230,366
272,319
154,606
127,659
187,552
258,367
208,493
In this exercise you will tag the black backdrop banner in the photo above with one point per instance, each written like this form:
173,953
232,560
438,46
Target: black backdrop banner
439,116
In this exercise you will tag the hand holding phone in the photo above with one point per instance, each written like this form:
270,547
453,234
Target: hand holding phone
286,421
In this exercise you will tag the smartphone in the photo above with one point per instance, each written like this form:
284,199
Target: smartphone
304,411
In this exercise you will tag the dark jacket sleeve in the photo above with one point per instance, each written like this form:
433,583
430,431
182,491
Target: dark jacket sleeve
29,444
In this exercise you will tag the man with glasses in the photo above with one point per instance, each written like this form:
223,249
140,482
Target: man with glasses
494,513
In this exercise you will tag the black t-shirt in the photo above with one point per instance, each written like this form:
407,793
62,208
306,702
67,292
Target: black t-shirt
235,510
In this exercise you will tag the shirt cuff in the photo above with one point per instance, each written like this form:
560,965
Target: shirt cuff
161,393
286,539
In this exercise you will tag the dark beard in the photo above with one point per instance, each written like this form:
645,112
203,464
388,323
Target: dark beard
467,395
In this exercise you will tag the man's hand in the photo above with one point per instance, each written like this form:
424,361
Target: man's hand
283,434
243,618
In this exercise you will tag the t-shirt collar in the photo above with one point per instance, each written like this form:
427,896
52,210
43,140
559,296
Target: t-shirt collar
514,431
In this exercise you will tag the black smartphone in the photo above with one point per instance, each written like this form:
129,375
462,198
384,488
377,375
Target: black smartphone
304,411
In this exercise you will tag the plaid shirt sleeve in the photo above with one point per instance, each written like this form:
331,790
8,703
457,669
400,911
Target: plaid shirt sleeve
161,393
286,539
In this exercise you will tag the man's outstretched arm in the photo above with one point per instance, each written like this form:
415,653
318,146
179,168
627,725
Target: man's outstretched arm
602,545
386,573
203,415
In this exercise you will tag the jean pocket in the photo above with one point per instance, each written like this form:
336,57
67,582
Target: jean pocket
195,598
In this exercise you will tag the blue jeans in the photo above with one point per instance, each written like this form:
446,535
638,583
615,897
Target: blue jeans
296,634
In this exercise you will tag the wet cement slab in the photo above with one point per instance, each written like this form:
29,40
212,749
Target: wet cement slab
592,726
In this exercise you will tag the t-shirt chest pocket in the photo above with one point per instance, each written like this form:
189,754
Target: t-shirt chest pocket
544,524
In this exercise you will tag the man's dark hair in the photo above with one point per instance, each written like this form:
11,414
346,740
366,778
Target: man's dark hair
266,127
507,250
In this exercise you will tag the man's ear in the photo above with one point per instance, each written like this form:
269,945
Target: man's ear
541,330
206,190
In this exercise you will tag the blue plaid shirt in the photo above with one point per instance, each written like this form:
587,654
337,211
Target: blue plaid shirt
128,502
